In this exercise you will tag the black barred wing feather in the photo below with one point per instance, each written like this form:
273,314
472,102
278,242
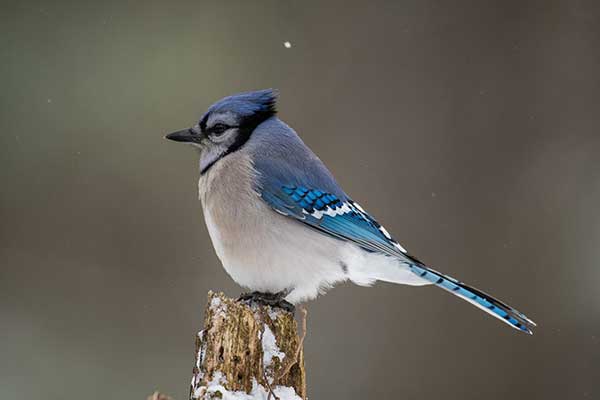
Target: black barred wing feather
338,217
344,219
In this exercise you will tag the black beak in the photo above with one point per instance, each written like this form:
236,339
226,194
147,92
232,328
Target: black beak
186,135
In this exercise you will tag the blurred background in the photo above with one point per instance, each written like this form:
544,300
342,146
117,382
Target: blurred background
470,129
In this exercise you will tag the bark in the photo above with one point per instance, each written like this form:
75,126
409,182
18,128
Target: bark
248,352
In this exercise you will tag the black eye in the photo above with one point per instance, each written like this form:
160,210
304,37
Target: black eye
219,129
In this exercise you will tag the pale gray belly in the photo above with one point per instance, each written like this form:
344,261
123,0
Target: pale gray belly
259,248
268,252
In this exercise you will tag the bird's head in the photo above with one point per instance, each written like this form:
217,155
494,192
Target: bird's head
227,125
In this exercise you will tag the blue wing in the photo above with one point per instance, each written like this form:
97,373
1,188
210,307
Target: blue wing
342,218
338,216
295,183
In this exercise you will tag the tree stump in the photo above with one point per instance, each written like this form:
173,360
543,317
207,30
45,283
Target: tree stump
248,352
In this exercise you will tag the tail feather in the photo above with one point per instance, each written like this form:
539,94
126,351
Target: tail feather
487,303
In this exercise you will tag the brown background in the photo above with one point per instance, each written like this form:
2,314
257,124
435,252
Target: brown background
471,129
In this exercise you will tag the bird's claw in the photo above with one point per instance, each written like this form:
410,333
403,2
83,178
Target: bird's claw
268,299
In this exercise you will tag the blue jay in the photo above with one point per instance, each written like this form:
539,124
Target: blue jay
280,223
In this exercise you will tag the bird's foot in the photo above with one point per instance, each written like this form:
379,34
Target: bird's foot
268,299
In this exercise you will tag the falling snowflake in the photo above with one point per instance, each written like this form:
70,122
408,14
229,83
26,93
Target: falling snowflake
287,45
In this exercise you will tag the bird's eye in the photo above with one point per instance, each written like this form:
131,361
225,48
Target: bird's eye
219,129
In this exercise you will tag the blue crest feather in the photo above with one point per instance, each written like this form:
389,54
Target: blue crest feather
258,103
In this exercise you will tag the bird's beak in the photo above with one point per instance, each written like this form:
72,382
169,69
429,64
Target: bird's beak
186,136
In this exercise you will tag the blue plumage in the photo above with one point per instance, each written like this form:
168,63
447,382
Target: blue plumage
346,221
338,217
259,102
482,300
259,154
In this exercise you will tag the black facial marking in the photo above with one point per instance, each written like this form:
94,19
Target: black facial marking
245,129
247,126
202,123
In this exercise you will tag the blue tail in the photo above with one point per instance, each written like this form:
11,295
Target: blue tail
487,303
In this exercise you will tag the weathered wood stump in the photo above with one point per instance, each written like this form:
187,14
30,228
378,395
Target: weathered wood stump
247,352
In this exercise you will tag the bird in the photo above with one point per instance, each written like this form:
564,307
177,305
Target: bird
282,226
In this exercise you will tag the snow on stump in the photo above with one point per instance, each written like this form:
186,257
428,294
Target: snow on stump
248,352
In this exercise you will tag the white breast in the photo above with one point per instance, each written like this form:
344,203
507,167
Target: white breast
215,235
259,248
